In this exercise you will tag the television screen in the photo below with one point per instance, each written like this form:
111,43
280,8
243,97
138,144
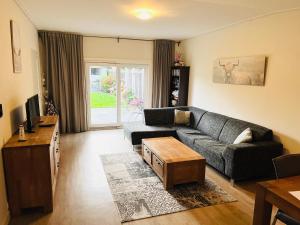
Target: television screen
32,112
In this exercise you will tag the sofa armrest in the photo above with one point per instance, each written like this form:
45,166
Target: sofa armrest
251,160
159,116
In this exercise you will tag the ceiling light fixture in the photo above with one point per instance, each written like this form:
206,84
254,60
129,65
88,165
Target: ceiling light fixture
143,13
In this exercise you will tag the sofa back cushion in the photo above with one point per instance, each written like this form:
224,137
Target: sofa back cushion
234,128
196,115
212,124
162,116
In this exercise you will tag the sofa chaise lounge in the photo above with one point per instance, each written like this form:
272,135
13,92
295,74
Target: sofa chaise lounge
212,135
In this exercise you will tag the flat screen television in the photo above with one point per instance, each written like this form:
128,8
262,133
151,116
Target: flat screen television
32,112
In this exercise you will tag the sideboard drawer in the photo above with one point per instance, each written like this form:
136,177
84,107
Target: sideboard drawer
147,154
158,166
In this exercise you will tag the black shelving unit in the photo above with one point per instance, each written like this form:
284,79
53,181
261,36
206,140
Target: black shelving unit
179,87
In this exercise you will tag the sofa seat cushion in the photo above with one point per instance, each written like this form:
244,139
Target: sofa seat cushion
233,128
212,124
136,131
212,151
187,135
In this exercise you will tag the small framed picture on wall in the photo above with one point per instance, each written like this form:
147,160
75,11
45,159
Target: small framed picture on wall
16,47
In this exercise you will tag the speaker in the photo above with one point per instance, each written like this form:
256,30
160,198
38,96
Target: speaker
1,111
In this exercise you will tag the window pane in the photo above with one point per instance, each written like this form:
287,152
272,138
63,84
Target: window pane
103,95
132,93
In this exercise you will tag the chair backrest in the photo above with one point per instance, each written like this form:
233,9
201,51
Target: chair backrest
287,165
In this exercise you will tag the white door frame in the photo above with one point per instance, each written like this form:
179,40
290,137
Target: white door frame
117,64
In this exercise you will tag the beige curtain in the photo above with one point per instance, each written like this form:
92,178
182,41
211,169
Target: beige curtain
163,59
65,79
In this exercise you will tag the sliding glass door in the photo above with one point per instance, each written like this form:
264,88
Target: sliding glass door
132,92
103,95
116,93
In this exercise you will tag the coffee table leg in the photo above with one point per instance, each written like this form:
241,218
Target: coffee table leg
167,186
201,170
262,208
167,180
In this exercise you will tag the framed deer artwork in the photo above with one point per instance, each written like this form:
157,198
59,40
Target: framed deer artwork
16,47
248,70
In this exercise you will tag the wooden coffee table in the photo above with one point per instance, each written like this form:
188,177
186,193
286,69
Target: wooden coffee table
173,161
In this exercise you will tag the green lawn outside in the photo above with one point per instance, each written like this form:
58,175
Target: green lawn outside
103,100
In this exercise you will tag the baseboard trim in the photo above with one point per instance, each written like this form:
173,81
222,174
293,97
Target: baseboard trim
6,219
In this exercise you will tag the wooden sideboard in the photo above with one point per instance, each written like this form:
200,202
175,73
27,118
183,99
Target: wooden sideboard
31,168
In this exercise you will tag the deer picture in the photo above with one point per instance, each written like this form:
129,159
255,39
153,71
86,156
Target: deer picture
228,68
247,70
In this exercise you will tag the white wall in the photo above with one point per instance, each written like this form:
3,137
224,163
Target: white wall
276,105
106,48
15,88
126,51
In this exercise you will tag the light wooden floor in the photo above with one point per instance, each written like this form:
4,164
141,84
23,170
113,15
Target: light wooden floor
83,196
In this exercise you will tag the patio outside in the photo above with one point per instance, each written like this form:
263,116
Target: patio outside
103,94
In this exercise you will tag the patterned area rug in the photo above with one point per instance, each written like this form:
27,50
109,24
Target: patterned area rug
139,193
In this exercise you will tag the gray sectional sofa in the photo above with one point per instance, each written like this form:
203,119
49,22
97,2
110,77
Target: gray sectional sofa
212,135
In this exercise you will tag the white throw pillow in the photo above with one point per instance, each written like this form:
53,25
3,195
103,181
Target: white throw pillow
244,137
182,117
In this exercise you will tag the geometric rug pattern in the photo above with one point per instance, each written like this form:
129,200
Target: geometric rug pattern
138,193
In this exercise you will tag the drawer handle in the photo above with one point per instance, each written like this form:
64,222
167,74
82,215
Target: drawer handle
158,162
55,138
57,164
57,150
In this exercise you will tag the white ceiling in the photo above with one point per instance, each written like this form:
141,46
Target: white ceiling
175,19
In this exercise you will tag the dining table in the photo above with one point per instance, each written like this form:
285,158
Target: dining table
276,193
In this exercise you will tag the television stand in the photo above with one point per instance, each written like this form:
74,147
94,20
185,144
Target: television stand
46,122
29,131
31,168
46,125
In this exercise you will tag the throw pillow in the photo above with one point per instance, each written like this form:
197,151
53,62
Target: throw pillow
244,137
182,117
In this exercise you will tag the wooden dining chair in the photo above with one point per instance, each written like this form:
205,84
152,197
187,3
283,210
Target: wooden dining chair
286,166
